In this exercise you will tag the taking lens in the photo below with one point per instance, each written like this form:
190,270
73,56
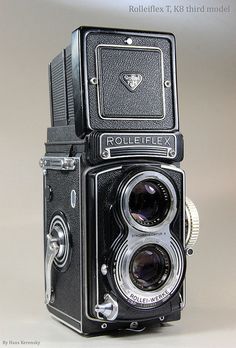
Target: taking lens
149,202
150,267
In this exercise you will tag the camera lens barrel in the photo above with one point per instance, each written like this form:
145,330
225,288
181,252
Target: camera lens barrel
150,267
148,200
148,270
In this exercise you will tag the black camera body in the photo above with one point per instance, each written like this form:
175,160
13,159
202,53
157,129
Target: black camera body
115,229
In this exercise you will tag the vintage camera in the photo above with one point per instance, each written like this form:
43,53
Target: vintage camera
116,225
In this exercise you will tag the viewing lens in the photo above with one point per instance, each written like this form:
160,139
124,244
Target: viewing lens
149,202
150,267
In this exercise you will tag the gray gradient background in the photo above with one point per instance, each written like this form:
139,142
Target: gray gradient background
31,33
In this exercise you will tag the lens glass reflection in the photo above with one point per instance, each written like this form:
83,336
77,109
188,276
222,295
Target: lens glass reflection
150,267
149,202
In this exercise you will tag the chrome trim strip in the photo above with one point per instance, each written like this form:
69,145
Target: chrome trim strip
67,315
65,323
174,168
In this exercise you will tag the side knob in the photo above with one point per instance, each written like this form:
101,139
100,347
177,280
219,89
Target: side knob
191,224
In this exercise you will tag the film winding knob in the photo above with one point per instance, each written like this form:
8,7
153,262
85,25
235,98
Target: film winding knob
191,225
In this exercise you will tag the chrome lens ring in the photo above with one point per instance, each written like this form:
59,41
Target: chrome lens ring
149,267
148,299
126,192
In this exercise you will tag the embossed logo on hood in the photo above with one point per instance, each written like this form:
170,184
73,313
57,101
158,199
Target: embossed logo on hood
131,81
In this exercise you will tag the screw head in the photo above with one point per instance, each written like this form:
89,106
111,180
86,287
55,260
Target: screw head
162,318
41,162
167,84
128,41
134,325
104,326
93,81
105,154
189,251
104,269
172,153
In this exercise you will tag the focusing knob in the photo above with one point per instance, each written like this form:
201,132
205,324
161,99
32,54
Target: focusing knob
191,225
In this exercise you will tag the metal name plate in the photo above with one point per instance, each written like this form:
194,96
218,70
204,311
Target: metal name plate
134,144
